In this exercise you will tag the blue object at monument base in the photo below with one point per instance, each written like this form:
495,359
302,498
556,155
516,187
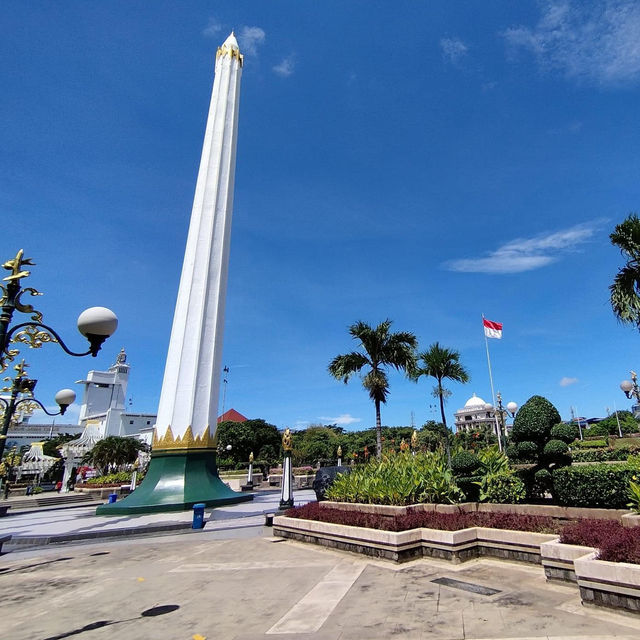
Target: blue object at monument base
176,481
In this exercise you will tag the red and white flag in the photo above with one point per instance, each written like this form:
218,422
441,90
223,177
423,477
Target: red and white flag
492,329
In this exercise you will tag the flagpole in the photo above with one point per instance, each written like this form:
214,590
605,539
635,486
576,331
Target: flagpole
493,395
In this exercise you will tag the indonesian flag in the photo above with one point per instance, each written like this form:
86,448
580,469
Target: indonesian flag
492,329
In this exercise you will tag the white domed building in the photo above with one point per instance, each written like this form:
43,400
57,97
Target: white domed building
475,415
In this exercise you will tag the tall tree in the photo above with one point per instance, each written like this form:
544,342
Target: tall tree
379,350
442,364
625,290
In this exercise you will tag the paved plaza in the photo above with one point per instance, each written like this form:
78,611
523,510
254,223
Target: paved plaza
40,527
234,580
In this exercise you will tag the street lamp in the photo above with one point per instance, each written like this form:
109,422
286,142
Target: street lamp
502,412
22,385
95,323
630,387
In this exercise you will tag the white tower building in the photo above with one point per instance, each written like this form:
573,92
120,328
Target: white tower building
103,401
182,469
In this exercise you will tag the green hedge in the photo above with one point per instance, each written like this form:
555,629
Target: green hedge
597,485
589,444
603,455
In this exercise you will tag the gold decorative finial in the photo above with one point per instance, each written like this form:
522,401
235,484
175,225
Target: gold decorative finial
286,440
339,451
414,439
251,457
15,266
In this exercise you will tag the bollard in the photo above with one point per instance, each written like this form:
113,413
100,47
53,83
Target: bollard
112,498
198,516
268,519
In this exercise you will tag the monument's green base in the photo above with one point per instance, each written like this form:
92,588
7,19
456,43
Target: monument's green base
175,481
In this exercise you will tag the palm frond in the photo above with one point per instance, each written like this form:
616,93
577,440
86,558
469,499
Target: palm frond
344,366
626,236
377,384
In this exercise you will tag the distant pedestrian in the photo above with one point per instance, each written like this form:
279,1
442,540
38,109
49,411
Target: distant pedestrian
58,486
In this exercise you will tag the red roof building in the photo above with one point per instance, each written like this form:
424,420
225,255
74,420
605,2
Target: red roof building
232,416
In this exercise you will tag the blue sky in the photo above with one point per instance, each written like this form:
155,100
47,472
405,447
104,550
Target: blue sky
425,162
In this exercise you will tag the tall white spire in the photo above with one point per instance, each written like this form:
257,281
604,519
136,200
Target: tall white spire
189,396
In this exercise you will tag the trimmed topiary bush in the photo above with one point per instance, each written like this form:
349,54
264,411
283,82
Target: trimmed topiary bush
535,420
465,463
565,432
557,451
527,451
595,485
512,451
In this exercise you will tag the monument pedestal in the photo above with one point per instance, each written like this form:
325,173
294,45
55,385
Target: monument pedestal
175,481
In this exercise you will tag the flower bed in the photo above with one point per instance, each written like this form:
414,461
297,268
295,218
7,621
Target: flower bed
402,534
425,519
615,543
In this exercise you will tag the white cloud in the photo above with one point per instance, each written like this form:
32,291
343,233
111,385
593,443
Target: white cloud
526,254
565,382
286,67
249,38
212,29
596,43
453,49
344,418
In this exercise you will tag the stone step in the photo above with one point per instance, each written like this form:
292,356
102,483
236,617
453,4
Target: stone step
47,501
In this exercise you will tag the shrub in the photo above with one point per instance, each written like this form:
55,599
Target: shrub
597,485
121,477
493,460
398,479
502,488
512,451
595,430
464,463
633,494
603,455
527,450
470,486
565,432
557,451
543,482
534,420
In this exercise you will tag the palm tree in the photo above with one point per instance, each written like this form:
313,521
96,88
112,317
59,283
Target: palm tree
441,363
625,290
114,450
380,349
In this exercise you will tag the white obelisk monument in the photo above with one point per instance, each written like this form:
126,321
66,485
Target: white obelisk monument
182,469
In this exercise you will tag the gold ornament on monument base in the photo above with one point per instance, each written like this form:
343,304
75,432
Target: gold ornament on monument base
170,442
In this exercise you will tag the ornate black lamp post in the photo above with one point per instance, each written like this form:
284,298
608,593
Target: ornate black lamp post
24,386
95,323
631,390
502,412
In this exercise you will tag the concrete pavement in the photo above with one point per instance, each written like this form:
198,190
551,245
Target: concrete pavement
37,528
243,584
